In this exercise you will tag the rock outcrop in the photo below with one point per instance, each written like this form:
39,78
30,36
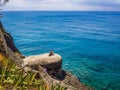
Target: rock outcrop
7,46
8,49
51,63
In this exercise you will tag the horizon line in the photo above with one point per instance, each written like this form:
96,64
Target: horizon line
67,10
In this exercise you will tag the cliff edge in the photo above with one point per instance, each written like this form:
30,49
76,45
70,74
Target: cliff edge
7,46
9,50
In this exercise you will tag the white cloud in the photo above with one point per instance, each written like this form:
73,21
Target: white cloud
63,5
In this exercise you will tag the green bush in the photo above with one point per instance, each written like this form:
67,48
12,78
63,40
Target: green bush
14,77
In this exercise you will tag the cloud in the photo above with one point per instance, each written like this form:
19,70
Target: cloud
63,5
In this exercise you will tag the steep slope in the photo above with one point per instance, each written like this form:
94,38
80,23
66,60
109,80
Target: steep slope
7,46
9,50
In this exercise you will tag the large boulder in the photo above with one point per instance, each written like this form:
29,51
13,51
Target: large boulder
51,63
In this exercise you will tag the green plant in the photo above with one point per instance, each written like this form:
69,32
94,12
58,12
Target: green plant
14,77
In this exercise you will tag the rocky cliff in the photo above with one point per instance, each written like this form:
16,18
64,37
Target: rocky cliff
7,46
9,50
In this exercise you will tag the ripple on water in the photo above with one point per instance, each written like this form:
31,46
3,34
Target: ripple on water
89,42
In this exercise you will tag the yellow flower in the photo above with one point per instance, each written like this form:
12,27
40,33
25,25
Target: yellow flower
1,57
47,87
3,60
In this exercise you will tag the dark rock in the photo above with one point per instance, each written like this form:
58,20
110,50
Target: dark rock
8,48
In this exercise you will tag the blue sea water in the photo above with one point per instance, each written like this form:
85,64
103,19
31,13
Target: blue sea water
89,42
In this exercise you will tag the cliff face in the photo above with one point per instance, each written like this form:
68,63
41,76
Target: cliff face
9,50
7,46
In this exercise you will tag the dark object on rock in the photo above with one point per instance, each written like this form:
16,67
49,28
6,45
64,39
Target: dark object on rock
53,64
51,53
8,49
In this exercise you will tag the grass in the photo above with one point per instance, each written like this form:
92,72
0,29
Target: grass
14,77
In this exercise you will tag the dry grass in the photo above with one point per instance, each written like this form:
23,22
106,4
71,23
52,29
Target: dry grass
14,77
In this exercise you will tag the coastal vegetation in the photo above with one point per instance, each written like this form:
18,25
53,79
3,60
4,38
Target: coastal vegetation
12,74
14,77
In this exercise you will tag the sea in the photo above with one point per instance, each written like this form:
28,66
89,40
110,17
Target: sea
88,41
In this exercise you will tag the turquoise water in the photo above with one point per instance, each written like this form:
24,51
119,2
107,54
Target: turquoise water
89,42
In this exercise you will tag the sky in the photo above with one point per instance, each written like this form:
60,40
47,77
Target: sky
77,5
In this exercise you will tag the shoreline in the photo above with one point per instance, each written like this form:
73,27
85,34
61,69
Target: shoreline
72,80
9,50
65,78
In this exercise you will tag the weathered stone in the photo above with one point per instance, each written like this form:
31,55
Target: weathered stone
8,49
7,46
51,63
